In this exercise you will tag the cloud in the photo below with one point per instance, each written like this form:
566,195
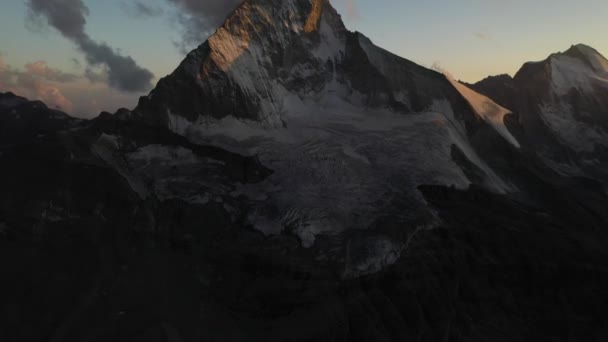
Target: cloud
138,9
483,36
51,95
69,18
95,76
123,72
439,68
199,18
76,63
352,10
74,95
37,82
41,69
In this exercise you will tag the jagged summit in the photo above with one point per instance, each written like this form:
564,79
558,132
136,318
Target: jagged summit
272,58
263,50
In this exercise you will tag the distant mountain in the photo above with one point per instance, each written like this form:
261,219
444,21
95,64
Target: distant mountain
562,104
25,120
291,181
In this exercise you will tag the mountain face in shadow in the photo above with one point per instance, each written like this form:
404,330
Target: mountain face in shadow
291,181
562,107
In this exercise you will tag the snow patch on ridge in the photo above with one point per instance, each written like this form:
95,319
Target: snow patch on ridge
487,109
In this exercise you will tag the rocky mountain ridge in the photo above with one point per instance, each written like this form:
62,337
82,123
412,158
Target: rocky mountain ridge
562,109
292,181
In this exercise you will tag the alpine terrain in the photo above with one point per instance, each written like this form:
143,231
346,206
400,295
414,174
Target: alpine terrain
292,181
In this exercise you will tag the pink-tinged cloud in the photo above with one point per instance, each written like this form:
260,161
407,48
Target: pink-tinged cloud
77,95
349,8
352,10
42,70
49,94
37,82
53,97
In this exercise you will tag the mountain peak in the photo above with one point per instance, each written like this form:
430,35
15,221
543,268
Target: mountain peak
297,15
584,49
270,59
587,55
263,52
273,63
580,67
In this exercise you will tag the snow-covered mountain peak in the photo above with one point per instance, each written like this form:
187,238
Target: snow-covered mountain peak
561,102
581,67
264,52
272,58
590,56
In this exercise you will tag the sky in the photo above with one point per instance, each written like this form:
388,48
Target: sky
86,56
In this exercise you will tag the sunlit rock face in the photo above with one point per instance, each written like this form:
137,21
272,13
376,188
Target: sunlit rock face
262,51
267,53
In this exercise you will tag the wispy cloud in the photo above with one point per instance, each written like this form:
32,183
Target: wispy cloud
43,71
352,10
139,9
439,68
483,36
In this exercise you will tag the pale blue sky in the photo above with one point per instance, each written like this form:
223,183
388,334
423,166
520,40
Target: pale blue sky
470,38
